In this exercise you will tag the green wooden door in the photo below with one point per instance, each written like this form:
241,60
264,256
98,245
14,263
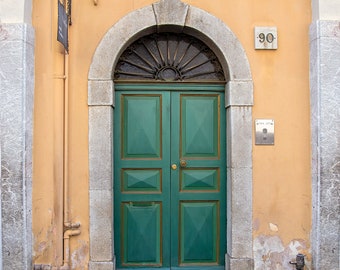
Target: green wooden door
170,177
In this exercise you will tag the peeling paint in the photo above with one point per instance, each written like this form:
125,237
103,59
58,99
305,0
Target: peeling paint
273,227
79,257
44,241
41,248
271,254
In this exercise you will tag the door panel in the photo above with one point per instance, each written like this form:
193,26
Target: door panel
142,196
142,123
142,233
197,191
198,232
198,180
140,181
199,125
169,218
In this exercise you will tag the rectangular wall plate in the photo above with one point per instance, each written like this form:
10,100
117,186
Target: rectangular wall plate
264,131
266,38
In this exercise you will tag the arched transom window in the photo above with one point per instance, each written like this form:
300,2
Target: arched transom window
168,57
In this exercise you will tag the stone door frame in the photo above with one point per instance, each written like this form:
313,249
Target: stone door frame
171,15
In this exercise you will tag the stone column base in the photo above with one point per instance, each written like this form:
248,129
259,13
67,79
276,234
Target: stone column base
238,263
101,266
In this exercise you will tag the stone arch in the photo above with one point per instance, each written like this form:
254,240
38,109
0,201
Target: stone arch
176,16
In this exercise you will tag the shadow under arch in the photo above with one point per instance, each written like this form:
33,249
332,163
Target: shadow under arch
176,16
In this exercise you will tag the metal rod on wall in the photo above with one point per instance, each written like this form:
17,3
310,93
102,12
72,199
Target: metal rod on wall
69,11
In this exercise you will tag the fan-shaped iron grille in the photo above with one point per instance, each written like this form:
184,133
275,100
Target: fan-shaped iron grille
168,57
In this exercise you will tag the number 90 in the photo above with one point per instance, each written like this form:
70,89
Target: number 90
268,37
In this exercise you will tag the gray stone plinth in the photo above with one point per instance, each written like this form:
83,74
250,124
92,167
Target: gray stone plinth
101,266
238,263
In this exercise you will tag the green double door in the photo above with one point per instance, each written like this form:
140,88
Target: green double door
169,181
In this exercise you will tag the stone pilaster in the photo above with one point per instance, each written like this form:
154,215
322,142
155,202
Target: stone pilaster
16,115
325,120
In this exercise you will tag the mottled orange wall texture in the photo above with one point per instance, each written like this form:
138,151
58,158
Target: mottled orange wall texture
281,172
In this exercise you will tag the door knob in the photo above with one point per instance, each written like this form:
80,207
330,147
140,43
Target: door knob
174,166
183,163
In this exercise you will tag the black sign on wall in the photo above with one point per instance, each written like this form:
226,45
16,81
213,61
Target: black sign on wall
62,35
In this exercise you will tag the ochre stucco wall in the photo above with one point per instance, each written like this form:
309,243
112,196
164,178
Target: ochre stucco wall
281,173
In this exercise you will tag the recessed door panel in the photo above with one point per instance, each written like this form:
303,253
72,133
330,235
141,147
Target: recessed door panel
141,116
200,179
199,118
170,179
199,226
142,233
142,181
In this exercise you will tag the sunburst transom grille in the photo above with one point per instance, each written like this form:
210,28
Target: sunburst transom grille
169,57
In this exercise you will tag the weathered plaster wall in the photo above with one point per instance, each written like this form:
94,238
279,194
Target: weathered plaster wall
281,173
271,253
48,167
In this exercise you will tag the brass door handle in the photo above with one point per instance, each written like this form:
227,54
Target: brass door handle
174,166
183,163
